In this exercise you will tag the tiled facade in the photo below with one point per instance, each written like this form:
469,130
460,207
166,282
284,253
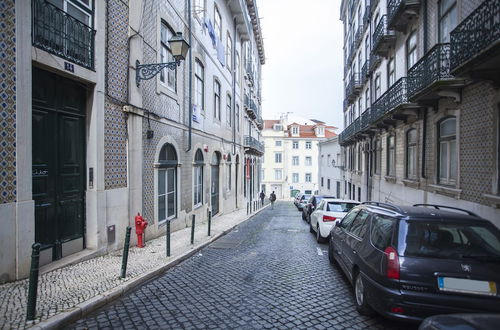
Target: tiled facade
466,94
7,102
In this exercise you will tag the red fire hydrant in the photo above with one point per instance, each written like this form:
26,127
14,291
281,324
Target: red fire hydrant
140,226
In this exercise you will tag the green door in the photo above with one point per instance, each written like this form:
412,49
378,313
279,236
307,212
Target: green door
58,163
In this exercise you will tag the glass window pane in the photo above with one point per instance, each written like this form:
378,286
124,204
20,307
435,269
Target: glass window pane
170,204
161,208
443,160
447,127
453,160
171,180
161,182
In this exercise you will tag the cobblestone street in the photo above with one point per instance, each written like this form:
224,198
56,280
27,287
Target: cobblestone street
267,273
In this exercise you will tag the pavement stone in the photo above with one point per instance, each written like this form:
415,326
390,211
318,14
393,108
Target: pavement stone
79,288
264,274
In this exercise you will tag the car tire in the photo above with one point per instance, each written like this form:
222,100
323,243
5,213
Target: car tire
331,256
311,229
303,216
360,296
319,238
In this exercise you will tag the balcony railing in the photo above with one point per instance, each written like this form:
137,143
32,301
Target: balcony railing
252,143
432,68
59,33
399,12
365,71
358,38
477,33
367,15
353,87
374,62
260,122
250,74
366,119
383,38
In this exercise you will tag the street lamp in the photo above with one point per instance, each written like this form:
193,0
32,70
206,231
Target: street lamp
179,48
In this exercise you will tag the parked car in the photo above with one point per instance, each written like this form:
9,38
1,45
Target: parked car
311,205
302,200
413,262
475,321
328,212
296,198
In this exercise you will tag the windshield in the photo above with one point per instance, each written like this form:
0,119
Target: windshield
340,207
305,198
451,240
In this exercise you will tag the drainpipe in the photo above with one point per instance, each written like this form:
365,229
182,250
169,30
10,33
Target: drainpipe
424,124
190,87
234,72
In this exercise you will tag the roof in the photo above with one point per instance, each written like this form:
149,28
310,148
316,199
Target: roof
269,123
307,131
254,17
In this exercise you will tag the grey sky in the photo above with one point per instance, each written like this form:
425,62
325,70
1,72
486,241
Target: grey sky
304,65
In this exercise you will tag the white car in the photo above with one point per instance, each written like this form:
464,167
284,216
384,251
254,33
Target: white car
329,211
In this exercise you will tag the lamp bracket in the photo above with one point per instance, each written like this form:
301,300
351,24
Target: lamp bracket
148,71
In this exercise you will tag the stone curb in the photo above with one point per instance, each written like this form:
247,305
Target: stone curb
60,320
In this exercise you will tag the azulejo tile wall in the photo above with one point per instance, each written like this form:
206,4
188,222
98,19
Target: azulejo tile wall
7,102
115,126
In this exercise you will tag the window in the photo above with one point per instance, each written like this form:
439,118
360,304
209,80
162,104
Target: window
411,154
447,150
411,50
378,156
238,117
328,184
308,161
198,178
277,157
447,19
228,110
217,23
391,72
277,143
278,127
391,156
295,177
295,130
308,177
367,98
199,85
295,160
81,10
229,51
295,145
381,231
360,225
167,76
367,47
216,100
360,152
338,189
278,174
167,183
229,177
377,86
308,144
237,68
348,219
360,105
322,182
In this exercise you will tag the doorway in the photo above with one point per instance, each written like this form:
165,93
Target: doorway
214,191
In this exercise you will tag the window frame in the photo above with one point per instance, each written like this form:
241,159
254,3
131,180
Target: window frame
169,168
198,176
391,155
217,100
295,145
411,50
199,83
443,18
449,139
308,177
166,56
391,71
229,51
308,145
229,106
217,22
278,157
411,148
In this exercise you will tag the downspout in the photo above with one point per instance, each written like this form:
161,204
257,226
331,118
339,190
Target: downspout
234,72
424,123
190,87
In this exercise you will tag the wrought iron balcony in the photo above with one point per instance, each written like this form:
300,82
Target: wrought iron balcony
375,60
431,74
475,43
366,119
365,71
250,106
354,87
59,33
383,38
250,74
358,38
260,122
253,144
400,12
367,16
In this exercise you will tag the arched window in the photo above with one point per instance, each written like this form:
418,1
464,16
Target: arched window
167,183
198,178
411,154
228,172
199,85
391,156
447,150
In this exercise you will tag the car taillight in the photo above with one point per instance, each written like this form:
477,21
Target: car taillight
392,263
327,218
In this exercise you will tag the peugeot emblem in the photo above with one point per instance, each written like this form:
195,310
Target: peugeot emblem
466,268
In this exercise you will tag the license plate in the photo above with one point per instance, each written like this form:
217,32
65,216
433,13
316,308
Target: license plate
463,285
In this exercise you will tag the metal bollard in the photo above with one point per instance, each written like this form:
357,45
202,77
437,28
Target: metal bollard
126,246
248,206
209,221
192,229
168,238
33,284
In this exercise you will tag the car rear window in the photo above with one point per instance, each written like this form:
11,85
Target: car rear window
340,207
381,233
451,240
305,197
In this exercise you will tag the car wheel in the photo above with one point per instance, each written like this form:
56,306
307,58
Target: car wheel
360,297
331,257
319,238
311,229
303,216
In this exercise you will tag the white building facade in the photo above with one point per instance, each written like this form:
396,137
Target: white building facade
291,156
330,174
421,112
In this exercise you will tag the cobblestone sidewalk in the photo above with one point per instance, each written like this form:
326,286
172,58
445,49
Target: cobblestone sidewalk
61,290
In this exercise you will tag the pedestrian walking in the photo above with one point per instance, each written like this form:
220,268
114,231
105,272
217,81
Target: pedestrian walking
272,198
262,196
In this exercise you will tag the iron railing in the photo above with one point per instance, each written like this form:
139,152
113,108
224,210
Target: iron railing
393,7
395,96
253,143
250,73
433,67
358,36
366,119
381,32
367,15
365,71
59,33
353,87
374,62
476,33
